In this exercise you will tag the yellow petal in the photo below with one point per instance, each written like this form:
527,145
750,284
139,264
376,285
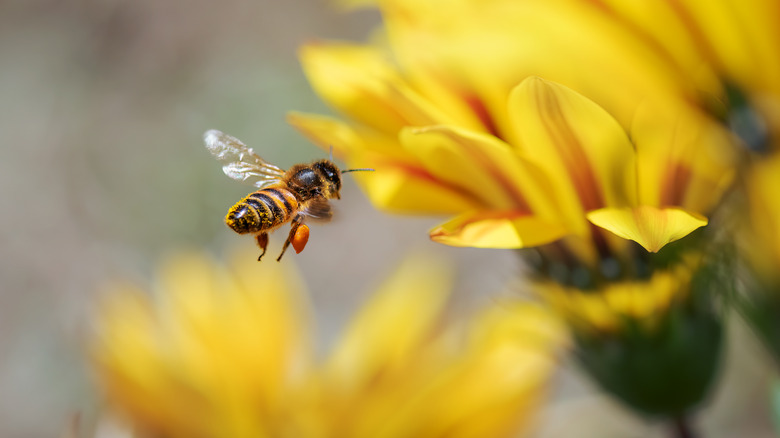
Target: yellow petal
578,142
650,227
497,229
684,158
361,82
479,164
760,236
515,39
375,341
740,37
326,132
495,385
399,182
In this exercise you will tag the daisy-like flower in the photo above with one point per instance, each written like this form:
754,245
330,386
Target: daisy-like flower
556,125
451,113
226,351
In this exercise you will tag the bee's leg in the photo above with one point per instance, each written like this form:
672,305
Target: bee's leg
262,242
296,227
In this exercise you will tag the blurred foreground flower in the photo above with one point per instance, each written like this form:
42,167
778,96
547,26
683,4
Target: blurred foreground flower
454,122
225,352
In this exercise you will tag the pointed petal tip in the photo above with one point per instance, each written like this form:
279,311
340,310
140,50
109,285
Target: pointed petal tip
651,227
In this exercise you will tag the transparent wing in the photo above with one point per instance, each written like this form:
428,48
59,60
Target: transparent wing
318,209
238,160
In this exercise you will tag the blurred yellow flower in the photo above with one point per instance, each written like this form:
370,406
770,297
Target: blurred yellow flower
225,351
451,113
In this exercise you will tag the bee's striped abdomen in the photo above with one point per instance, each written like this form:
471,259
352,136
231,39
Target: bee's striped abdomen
262,210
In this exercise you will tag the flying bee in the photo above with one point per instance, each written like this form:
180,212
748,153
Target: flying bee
291,196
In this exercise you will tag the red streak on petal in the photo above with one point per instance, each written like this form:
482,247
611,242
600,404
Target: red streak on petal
697,35
676,182
422,174
570,150
646,38
485,162
479,108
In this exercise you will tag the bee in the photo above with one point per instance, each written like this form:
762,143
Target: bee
302,192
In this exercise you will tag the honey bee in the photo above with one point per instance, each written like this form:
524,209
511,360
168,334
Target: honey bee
302,192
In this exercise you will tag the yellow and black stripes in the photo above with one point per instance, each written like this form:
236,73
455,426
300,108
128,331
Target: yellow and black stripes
262,211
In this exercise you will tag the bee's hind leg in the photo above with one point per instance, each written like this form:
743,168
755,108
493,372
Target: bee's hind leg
299,235
262,242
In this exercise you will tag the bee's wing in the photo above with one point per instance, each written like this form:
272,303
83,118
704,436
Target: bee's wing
318,209
239,161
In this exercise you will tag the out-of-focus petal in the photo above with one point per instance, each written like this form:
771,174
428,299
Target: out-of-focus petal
494,390
683,158
497,229
399,182
199,352
738,37
760,240
375,342
179,368
650,227
361,82
326,132
437,43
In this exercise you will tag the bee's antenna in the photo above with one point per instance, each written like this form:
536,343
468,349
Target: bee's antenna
357,170
330,157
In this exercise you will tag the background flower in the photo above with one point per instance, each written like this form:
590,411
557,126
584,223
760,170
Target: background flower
225,351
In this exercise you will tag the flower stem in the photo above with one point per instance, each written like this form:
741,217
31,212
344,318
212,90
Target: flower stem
682,428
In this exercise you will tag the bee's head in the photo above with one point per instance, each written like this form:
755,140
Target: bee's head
331,176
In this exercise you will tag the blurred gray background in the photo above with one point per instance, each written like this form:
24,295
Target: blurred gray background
102,108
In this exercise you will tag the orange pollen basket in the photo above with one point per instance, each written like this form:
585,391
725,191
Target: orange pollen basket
300,238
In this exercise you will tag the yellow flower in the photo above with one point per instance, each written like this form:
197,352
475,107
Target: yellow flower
225,351
451,113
